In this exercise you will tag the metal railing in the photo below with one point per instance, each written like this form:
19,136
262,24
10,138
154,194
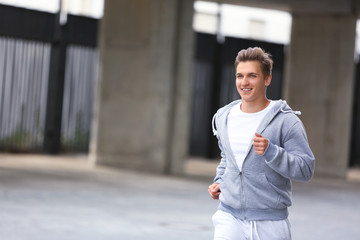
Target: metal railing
79,87
24,72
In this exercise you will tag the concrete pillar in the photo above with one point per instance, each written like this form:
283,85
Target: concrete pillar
142,108
319,82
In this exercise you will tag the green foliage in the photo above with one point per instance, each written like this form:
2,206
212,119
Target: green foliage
19,139
81,137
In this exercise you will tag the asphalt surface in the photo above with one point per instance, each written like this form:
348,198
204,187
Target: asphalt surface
68,198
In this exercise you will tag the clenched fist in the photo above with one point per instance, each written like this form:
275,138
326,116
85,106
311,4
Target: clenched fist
260,144
214,190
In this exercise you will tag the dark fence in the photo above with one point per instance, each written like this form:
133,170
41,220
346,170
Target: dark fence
79,91
45,103
24,68
355,139
214,85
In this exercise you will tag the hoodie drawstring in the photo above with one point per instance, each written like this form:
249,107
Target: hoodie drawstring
213,125
291,111
253,225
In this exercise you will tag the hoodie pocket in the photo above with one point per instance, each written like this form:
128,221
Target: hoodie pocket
230,189
259,192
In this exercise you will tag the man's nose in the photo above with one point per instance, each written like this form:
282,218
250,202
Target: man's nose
245,81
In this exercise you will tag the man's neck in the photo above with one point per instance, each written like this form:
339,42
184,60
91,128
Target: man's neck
253,107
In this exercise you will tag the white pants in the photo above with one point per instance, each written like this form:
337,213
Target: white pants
227,227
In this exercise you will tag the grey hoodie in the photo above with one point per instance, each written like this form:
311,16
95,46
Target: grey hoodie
262,189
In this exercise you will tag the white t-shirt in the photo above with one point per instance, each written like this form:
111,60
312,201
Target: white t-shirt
241,130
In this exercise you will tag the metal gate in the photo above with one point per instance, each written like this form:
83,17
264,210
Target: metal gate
28,71
79,92
24,68
355,138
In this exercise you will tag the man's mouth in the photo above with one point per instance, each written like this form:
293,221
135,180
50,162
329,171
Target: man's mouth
246,89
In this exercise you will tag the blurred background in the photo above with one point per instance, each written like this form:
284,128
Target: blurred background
132,85
147,100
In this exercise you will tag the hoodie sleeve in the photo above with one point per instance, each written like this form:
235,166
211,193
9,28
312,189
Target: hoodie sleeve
295,160
221,167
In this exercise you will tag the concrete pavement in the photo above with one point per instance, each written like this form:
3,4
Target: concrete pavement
68,198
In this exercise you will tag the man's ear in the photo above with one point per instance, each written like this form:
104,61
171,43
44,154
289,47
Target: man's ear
268,80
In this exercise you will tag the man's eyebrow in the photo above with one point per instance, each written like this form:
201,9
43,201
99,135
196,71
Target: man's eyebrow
254,73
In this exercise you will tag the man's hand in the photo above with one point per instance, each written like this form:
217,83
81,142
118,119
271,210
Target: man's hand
260,144
214,190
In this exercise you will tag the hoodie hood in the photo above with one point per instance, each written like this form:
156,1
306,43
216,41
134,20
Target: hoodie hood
280,106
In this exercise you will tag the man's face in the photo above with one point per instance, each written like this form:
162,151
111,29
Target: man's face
250,81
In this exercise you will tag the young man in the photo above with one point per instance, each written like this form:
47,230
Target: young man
263,147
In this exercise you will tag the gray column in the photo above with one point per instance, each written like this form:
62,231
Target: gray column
142,103
319,82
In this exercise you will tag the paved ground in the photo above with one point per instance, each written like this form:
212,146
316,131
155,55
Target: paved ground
67,198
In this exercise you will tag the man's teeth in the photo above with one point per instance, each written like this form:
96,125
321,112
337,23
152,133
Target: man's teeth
246,89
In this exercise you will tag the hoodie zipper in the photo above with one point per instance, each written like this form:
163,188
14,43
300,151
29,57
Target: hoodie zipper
243,197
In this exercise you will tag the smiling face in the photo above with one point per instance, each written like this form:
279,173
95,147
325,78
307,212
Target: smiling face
251,83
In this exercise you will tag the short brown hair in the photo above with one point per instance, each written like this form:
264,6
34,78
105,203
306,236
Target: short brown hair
256,54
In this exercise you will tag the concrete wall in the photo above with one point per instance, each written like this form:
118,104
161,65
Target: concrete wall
319,82
142,108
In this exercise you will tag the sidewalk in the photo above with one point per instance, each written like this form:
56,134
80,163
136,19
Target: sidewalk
68,198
